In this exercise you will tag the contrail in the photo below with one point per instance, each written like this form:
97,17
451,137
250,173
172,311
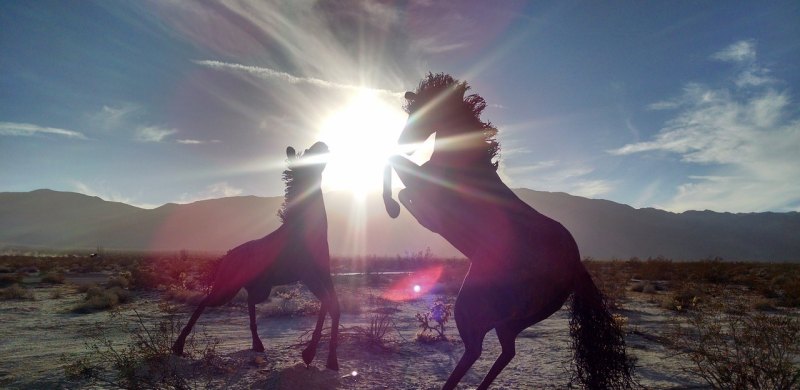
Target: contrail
267,73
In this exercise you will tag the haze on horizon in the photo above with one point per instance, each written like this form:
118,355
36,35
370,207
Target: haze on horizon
670,105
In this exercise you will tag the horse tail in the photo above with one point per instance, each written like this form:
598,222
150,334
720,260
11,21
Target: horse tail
597,340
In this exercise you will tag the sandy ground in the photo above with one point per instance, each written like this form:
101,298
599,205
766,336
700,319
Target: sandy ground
34,335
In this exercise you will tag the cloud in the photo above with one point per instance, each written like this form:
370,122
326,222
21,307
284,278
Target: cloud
742,51
746,136
152,133
29,130
114,117
196,141
267,73
558,176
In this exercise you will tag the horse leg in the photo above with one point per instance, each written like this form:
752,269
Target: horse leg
421,209
321,291
473,320
177,348
333,307
258,346
473,345
507,335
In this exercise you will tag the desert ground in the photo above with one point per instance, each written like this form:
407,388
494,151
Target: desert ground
56,333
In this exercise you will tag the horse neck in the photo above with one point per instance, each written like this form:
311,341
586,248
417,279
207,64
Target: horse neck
310,213
460,144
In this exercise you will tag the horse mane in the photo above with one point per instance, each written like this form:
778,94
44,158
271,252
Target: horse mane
437,86
298,176
293,178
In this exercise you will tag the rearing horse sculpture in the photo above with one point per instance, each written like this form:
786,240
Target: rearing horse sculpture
296,251
524,265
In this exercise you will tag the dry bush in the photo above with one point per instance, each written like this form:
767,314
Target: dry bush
379,331
53,278
182,295
288,302
15,292
146,360
731,348
98,299
611,277
121,281
432,323
685,296
9,279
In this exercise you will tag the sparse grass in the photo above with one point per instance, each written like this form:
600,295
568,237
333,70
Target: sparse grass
146,360
15,292
731,348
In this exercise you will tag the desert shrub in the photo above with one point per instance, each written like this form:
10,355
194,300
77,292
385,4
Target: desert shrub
645,287
763,304
9,279
611,277
56,294
15,292
53,277
432,323
182,295
290,302
121,281
687,296
740,351
145,361
379,331
82,288
98,298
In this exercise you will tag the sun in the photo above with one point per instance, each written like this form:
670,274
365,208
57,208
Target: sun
361,135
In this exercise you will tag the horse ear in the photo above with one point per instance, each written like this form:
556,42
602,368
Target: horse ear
290,153
410,95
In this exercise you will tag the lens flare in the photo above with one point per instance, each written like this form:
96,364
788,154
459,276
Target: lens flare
414,285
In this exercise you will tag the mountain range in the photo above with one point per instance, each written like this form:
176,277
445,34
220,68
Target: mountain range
603,229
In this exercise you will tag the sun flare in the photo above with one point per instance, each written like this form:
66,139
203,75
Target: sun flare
361,135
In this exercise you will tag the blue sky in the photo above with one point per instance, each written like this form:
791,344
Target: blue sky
676,105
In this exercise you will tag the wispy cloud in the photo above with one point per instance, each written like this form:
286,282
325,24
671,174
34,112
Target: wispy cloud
267,73
112,117
742,51
558,176
746,135
153,133
196,141
29,130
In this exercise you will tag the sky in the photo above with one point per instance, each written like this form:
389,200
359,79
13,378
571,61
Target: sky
674,105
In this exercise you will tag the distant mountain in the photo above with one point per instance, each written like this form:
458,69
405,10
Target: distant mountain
603,229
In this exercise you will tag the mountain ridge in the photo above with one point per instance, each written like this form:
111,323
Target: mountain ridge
603,229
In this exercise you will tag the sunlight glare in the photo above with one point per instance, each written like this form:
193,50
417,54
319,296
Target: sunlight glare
361,136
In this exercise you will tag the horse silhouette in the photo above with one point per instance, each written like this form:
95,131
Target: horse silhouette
296,251
523,265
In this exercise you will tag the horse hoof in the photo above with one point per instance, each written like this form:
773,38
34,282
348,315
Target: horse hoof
333,366
308,356
392,207
258,347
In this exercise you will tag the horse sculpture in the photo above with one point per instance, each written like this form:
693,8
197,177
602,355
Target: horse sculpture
296,251
523,265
